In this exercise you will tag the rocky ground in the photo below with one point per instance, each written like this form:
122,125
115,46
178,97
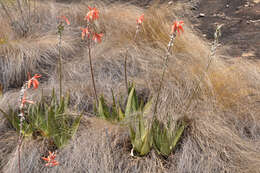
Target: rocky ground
241,19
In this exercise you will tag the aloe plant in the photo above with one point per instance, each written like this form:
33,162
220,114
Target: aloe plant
116,113
12,117
60,126
48,120
140,135
165,139
104,110
134,111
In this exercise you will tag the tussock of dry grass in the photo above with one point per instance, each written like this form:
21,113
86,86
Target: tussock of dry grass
7,143
224,133
36,53
215,145
30,55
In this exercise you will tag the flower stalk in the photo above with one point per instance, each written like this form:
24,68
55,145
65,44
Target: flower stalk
92,72
22,100
60,28
176,28
212,55
139,22
87,33
60,61
22,118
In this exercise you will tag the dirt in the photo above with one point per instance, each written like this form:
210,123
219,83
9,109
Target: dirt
241,19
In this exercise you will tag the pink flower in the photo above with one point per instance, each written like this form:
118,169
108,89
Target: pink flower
140,19
177,26
93,14
97,37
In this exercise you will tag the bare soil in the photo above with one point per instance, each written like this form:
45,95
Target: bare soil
241,19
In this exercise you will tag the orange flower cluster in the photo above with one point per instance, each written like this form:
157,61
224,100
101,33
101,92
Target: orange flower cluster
97,37
92,15
140,19
31,82
50,160
177,26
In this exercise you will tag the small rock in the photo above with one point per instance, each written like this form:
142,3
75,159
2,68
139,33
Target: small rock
170,3
247,22
201,15
248,54
247,4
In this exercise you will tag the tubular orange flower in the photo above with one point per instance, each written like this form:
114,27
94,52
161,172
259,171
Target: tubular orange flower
85,32
93,14
25,101
52,163
50,160
140,19
177,26
33,81
97,37
52,155
65,19
46,159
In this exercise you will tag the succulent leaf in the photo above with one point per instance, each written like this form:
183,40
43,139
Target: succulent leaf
164,140
48,121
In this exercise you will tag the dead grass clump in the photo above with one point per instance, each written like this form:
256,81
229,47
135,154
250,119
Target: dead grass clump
36,52
214,145
29,55
235,84
5,30
8,140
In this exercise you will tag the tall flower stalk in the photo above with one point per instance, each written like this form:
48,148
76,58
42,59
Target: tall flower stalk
86,34
176,28
60,28
139,22
212,55
22,100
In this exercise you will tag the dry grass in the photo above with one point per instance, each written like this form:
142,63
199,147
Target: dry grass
216,145
224,133
38,51
104,151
